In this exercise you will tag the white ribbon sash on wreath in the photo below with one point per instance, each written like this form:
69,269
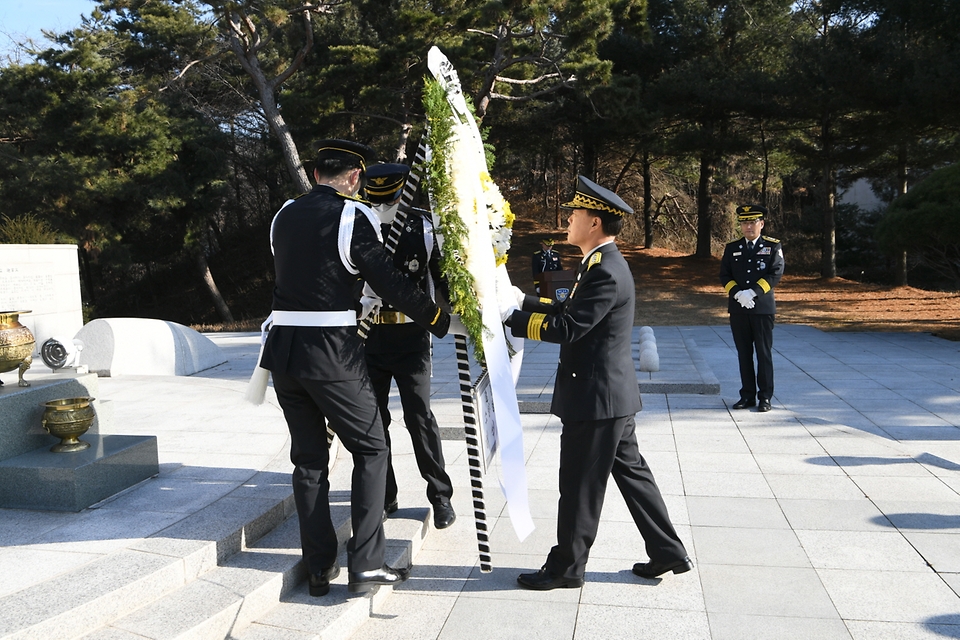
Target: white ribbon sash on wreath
467,168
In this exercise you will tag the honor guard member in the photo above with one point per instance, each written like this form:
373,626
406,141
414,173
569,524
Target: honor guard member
596,397
399,349
749,271
544,259
325,243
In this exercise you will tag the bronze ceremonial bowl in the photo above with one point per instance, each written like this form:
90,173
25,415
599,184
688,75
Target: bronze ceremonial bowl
16,344
68,418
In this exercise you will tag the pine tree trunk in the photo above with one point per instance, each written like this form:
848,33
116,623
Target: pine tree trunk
704,200
900,267
828,255
222,309
647,203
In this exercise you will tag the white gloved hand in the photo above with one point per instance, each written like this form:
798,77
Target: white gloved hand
519,295
506,313
369,306
456,326
745,299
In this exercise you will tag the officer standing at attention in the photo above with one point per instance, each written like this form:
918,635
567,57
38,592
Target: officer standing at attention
544,259
324,244
750,269
596,397
399,349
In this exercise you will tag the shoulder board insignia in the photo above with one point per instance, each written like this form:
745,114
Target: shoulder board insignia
769,239
594,259
354,198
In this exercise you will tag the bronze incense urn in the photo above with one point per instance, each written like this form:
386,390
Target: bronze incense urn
16,344
67,419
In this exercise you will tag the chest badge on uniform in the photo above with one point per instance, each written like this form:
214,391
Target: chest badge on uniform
413,265
764,251
737,253
761,265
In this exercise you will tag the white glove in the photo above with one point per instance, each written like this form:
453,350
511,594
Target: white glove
506,313
456,326
369,306
745,298
519,295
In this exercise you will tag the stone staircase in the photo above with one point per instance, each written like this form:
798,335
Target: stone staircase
230,570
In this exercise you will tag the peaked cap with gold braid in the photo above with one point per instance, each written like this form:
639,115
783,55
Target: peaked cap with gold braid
748,212
347,150
590,195
385,181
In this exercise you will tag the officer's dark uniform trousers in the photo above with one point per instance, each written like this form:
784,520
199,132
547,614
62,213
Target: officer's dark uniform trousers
320,375
760,270
400,351
596,397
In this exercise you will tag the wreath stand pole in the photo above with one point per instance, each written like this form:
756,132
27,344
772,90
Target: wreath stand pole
472,436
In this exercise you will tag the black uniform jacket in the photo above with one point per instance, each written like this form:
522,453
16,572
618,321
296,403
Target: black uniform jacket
760,270
544,261
311,277
596,377
412,260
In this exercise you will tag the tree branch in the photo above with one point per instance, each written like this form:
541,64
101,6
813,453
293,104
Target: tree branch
535,94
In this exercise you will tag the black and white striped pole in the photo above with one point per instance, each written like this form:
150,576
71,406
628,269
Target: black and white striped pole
471,429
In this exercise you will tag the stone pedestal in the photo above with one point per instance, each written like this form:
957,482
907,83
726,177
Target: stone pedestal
21,409
33,477
74,481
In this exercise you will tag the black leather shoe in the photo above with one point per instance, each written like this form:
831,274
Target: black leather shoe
362,581
390,508
443,515
744,404
543,580
320,582
764,406
653,569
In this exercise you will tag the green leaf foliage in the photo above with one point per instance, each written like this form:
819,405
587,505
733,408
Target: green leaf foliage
925,222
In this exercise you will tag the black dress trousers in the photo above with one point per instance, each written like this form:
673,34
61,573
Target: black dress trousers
348,406
751,331
590,452
411,371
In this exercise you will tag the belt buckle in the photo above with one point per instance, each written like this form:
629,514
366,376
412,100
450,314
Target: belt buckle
389,317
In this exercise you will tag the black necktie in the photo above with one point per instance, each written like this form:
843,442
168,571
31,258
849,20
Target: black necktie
750,245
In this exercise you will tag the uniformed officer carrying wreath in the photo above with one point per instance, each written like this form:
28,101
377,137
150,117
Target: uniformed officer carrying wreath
749,271
325,243
596,397
397,348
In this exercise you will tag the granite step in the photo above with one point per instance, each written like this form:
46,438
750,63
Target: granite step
339,614
108,588
248,592
683,370
253,592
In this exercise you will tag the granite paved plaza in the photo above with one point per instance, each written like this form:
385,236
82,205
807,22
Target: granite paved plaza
836,515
